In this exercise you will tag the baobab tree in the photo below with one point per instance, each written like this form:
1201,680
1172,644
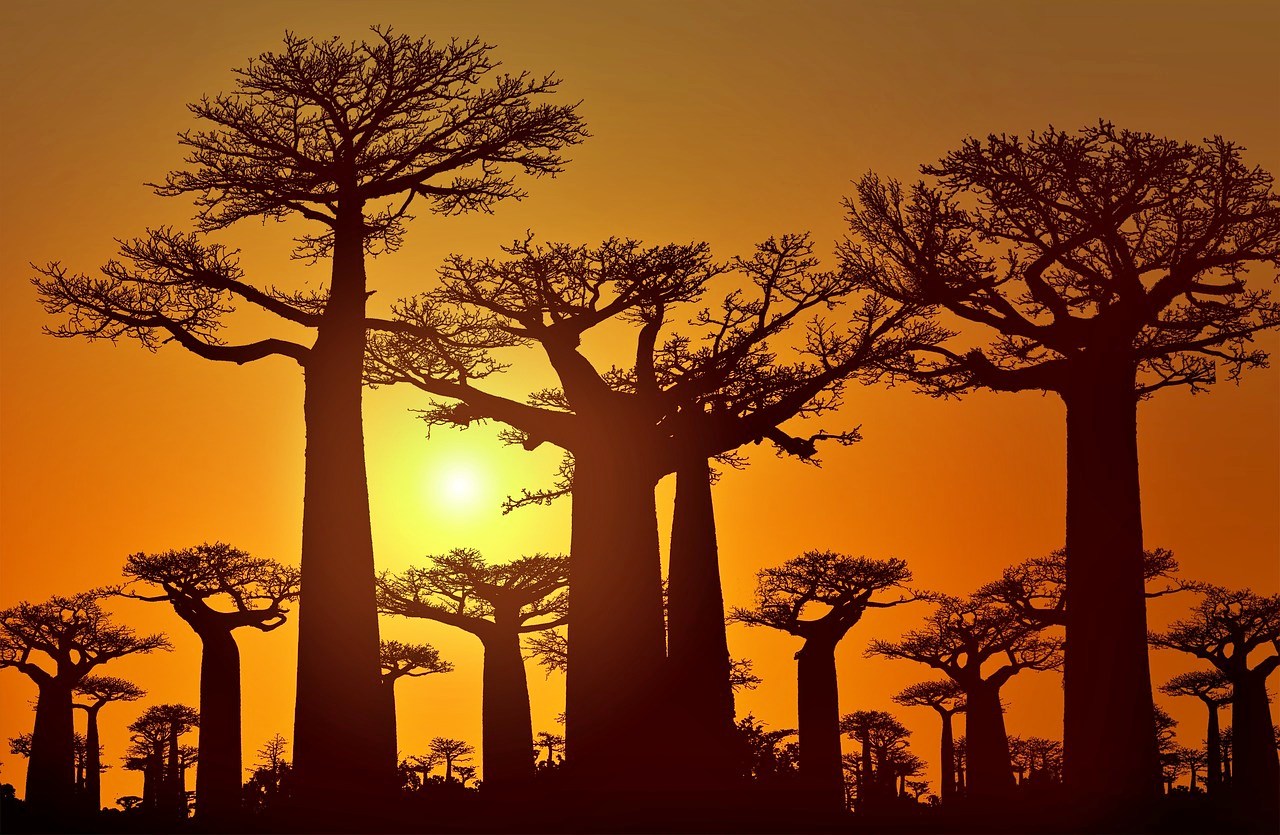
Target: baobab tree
216,589
454,753
71,636
960,638
880,737
819,596
157,752
551,743
1105,265
1036,760
398,660
1225,629
947,699
99,691
1213,688
498,604
345,136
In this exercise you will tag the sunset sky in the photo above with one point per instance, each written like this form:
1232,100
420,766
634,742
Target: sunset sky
725,122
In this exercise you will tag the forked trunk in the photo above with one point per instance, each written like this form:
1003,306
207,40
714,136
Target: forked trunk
948,755
1109,725
701,697
617,646
1256,778
819,718
343,727
507,737
990,771
218,777
93,760
51,770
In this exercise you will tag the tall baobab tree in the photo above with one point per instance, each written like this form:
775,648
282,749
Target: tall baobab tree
1225,629
1213,688
216,589
1105,265
819,596
163,760
947,699
73,636
960,638
498,604
346,136
99,691
881,738
399,660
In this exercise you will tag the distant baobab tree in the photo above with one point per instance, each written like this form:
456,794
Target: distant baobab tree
216,589
99,691
819,596
552,744
1225,629
960,638
1036,760
1213,688
73,636
346,136
947,699
1106,265
398,660
454,753
498,603
266,786
157,752
881,740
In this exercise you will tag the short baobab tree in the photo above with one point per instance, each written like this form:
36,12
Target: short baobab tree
1213,688
947,699
1225,629
400,660
819,596
882,739
216,589
1103,265
964,639
73,636
498,603
1036,760
454,753
97,692
156,751
552,744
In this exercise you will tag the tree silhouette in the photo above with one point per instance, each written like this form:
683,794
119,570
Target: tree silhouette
75,635
156,752
551,649
399,660
452,752
216,589
763,755
1212,688
498,604
1107,264
959,638
1037,761
819,596
100,691
551,743
881,740
1225,629
267,784
346,136
947,699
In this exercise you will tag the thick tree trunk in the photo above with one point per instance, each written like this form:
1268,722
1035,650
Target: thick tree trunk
152,777
615,726
989,766
819,718
344,730
1213,763
173,800
948,757
701,697
507,750
93,760
218,777
1109,724
51,770
1256,781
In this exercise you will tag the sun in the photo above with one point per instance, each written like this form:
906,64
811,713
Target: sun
459,485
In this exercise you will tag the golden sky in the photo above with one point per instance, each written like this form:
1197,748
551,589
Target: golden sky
725,122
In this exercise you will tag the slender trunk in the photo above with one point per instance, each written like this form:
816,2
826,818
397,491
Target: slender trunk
1257,771
507,750
819,717
1109,725
388,687
961,786
51,770
152,776
93,757
617,644
866,775
989,766
1213,739
342,725
218,778
948,756
172,802
698,650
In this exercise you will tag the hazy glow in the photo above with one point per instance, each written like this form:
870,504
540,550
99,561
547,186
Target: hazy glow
458,484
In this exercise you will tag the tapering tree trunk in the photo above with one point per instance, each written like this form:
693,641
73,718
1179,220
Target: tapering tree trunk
819,719
988,762
218,777
507,748
51,769
1213,763
947,758
1109,725
173,803
93,758
617,642
343,728
961,785
698,667
152,777
1256,781
866,775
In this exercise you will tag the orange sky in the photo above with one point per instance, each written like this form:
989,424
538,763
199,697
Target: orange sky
724,122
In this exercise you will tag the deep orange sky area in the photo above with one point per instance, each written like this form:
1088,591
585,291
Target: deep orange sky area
725,122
